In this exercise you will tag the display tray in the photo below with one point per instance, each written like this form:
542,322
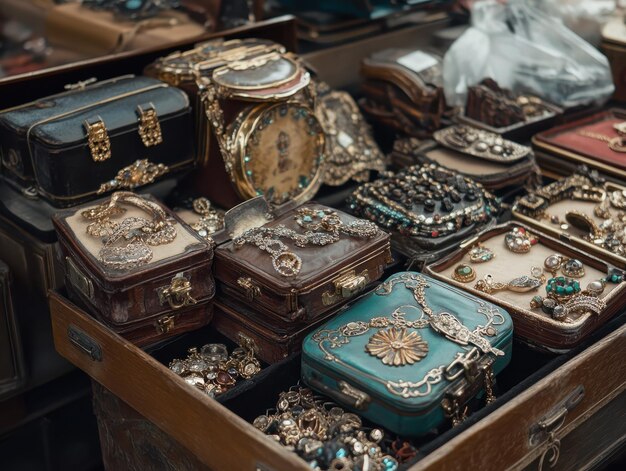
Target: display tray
563,148
572,235
504,179
523,130
539,396
532,325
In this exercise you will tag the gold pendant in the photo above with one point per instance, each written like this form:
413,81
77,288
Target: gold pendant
141,172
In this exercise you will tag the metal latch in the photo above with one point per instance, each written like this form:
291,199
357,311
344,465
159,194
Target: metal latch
346,395
346,286
178,293
98,140
250,289
464,363
361,399
478,374
545,429
149,126
165,324
78,280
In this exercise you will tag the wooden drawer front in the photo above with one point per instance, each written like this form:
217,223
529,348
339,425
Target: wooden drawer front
218,438
588,441
503,439
131,442
222,440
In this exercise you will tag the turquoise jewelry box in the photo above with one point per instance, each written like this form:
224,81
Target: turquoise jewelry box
410,354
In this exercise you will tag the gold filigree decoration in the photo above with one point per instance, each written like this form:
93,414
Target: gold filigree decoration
140,173
396,347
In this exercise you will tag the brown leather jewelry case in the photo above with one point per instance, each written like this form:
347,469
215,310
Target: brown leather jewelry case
297,264
275,339
494,171
404,90
513,279
596,141
146,280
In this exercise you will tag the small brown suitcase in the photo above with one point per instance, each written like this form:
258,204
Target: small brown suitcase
167,295
328,276
275,340
404,90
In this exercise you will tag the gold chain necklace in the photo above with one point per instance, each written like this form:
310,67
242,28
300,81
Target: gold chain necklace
616,143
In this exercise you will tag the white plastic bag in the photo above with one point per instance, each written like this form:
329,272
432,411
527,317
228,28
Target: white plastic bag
526,51
585,17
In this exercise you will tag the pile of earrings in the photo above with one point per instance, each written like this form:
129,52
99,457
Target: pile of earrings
213,371
564,295
327,437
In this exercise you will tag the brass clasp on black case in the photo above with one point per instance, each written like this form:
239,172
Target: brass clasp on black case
98,140
149,126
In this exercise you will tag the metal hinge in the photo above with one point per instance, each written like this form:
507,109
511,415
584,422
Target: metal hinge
77,279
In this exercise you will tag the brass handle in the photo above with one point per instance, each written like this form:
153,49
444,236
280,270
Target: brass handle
346,286
178,293
544,432
84,343
555,419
